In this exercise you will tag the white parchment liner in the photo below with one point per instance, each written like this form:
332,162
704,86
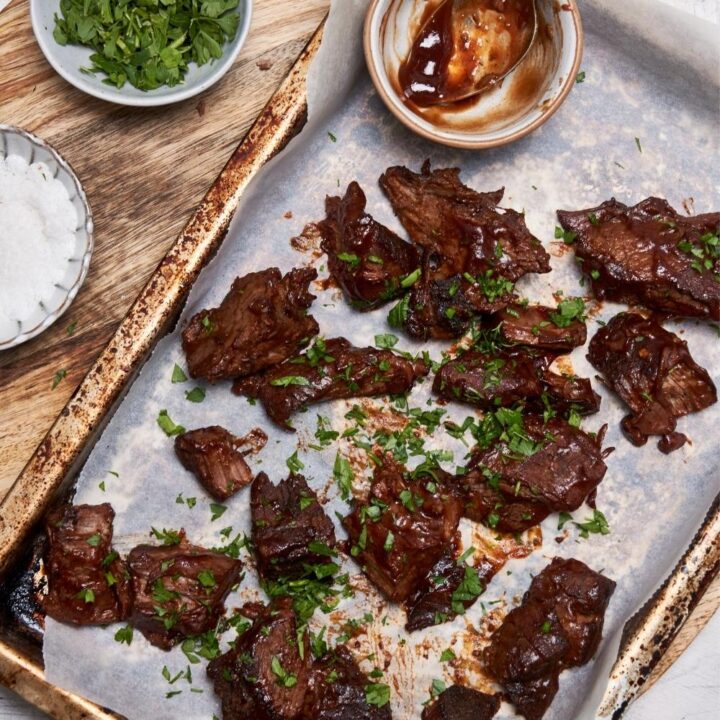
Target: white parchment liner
651,74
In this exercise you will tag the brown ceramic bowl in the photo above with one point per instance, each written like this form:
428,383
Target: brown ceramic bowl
523,101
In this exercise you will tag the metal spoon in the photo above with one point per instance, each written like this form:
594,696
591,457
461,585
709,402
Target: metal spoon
466,47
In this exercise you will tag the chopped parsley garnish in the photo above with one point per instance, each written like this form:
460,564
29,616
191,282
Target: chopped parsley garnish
437,687
178,375
350,258
386,341
377,694
389,541
639,146
546,627
124,635
94,540
206,579
468,590
284,678
562,519
86,595
147,44
332,136
568,310
410,279
567,236
287,380
580,77
71,328
217,510
447,655
705,255
597,524
58,378
168,537
324,433
196,395
397,317
295,465
343,476
167,425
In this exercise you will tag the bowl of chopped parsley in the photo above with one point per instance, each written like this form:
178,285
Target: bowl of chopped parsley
141,52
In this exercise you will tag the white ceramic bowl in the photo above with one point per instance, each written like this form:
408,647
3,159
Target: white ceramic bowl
497,117
68,59
14,141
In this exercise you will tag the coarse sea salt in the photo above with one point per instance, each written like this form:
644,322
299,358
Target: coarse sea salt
37,237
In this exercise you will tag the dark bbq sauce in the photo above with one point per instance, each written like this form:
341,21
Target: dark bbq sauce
463,46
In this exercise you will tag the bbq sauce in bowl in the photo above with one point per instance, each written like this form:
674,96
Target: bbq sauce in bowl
465,47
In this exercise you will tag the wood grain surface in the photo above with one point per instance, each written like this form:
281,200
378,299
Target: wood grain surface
144,171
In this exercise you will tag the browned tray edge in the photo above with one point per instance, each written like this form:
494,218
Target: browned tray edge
647,635
60,454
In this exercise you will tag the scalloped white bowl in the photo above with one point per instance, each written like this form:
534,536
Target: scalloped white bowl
14,141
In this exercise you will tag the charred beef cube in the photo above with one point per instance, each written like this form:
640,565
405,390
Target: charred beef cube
87,581
289,527
338,690
557,330
463,227
448,590
265,676
651,255
462,703
367,260
484,502
568,392
215,456
557,626
262,321
489,381
652,371
402,531
179,590
330,369
551,463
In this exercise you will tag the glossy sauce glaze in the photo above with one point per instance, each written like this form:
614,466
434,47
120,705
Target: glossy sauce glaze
465,46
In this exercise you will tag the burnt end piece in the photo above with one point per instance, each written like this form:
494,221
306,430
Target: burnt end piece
264,676
554,468
541,327
649,254
214,455
88,582
337,370
179,590
505,378
289,527
652,371
463,227
262,321
462,703
366,259
337,690
558,625
402,531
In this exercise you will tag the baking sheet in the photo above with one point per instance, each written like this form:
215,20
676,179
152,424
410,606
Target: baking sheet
640,83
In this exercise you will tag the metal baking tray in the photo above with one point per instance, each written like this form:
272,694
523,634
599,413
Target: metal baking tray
50,473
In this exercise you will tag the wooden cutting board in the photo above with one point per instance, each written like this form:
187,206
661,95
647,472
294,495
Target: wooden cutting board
144,171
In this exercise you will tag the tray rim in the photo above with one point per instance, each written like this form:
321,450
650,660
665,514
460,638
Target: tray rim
55,462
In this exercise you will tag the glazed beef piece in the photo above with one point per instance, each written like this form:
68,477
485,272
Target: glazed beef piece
264,676
552,463
558,330
329,370
542,467
462,703
402,530
367,260
217,458
179,590
463,227
289,527
262,321
654,374
448,590
87,581
558,625
506,377
568,392
649,254
337,690
488,381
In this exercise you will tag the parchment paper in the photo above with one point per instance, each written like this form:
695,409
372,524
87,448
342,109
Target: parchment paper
650,74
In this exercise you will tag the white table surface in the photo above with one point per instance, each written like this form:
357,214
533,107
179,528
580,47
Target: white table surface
689,690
